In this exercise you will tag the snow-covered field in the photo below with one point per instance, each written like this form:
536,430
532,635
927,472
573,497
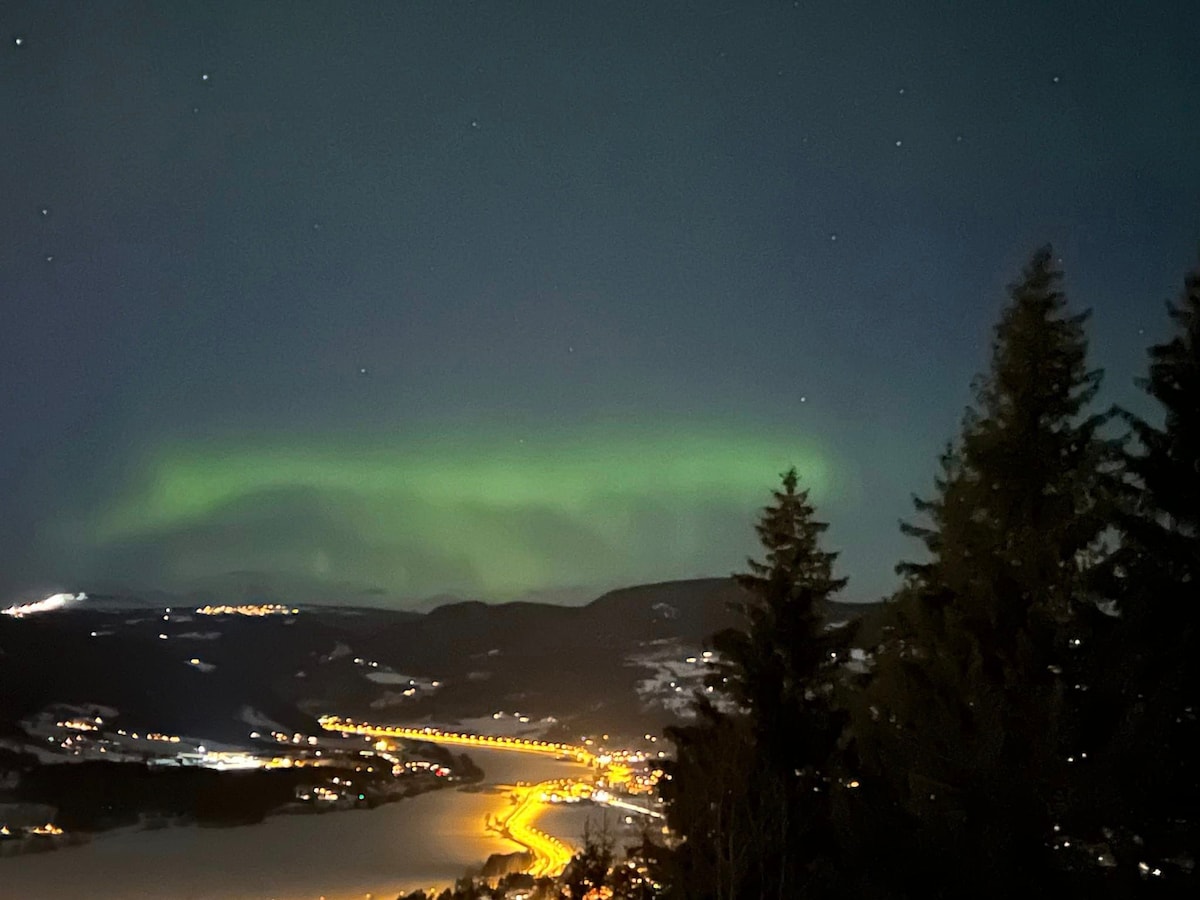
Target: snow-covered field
677,673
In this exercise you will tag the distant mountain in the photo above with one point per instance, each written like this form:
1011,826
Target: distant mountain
252,586
574,669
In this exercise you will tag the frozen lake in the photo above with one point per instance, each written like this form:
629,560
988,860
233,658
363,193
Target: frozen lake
421,841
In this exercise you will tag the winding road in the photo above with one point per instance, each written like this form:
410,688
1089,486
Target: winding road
550,854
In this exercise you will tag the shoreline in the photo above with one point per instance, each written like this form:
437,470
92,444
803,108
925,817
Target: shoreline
435,838
39,845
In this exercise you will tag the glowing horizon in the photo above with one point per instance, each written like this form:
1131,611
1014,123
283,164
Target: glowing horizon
53,602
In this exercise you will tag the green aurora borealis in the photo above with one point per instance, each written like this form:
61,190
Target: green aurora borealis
479,514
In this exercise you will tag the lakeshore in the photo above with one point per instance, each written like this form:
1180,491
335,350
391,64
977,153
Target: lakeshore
425,840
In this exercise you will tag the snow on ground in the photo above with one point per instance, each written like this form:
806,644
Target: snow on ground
253,717
676,672
411,687
45,755
390,678
339,650
391,698
507,724
387,676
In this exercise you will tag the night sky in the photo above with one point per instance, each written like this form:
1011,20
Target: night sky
386,300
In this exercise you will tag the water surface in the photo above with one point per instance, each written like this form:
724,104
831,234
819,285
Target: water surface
421,841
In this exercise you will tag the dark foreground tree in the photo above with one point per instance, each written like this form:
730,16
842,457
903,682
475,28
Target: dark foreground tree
588,870
1154,577
748,791
970,733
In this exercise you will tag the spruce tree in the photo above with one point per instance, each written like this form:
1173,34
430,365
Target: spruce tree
969,734
1154,577
588,869
749,788
709,802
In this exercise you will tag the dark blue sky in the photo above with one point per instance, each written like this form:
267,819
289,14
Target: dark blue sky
500,297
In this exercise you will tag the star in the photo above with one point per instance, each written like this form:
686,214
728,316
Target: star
19,41
902,92
1055,79
204,76
362,371
803,399
899,143
45,211
833,237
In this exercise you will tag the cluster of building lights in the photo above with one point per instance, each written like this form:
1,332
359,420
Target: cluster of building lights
424,765
619,772
283,737
248,609
48,829
81,734
500,714
150,736
321,794
81,724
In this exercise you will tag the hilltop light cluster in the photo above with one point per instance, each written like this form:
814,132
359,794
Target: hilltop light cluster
53,602
248,609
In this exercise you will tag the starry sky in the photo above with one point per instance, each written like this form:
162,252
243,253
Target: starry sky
503,299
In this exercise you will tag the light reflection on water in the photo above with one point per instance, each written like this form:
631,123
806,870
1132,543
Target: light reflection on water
416,842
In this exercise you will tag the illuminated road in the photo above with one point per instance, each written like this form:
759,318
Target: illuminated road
550,854
436,735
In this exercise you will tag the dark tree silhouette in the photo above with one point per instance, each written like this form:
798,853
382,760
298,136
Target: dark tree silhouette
970,731
588,869
1154,677
749,788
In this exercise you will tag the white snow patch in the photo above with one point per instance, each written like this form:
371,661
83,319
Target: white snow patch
507,725
252,716
390,698
390,678
676,672
339,650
